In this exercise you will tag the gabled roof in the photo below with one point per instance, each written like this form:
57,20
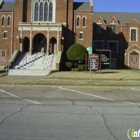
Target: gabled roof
113,18
99,18
81,6
7,6
121,17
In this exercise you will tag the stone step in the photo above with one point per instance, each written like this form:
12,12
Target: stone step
29,72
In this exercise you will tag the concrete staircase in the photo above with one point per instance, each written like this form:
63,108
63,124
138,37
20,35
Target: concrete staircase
38,64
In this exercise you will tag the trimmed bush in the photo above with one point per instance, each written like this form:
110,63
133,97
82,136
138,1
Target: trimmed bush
76,52
81,67
69,64
76,69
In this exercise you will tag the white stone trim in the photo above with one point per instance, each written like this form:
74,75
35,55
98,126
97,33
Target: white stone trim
3,16
40,28
113,23
132,46
136,28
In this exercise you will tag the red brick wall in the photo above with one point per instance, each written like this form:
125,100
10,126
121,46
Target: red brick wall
6,43
18,17
87,30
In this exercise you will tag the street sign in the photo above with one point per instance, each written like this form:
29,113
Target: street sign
89,49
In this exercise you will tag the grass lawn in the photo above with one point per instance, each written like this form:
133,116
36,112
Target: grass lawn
99,75
99,78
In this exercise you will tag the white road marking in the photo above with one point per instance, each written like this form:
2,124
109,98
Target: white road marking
129,103
19,97
87,94
135,89
9,93
32,101
138,103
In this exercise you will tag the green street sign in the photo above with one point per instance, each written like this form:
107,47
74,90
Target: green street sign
89,49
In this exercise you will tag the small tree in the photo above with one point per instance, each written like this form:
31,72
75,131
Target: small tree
76,53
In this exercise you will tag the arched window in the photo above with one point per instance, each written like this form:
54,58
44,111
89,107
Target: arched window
78,21
36,12
84,21
2,21
50,11
41,12
45,11
8,21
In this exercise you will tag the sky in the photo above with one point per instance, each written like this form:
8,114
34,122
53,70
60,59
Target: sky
112,5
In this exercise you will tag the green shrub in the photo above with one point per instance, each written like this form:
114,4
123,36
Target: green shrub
69,64
81,67
75,69
76,52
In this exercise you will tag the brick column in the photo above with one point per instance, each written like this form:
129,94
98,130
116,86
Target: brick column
48,41
58,41
20,40
31,47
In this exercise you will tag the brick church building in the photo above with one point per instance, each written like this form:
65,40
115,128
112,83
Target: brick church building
49,26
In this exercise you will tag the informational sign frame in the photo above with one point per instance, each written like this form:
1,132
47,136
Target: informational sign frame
93,62
105,57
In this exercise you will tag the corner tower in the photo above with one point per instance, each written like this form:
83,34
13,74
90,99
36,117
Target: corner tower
18,17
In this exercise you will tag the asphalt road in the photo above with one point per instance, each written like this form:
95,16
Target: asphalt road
68,113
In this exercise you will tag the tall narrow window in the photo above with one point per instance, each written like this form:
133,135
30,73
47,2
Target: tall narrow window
84,21
112,28
78,21
8,21
80,35
2,53
5,35
50,11
36,12
41,12
133,34
2,21
45,11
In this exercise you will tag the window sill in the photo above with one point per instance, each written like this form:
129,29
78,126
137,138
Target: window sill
133,41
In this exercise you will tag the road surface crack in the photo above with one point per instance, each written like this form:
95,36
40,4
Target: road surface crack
108,127
94,110
13,114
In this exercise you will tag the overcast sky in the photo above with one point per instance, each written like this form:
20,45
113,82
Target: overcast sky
112,5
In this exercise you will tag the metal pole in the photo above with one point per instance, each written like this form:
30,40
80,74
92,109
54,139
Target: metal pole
100,60
90,69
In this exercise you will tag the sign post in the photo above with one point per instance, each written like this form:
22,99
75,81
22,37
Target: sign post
93,63
89,49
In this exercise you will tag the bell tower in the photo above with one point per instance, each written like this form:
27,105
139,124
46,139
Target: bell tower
18,17
91,5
